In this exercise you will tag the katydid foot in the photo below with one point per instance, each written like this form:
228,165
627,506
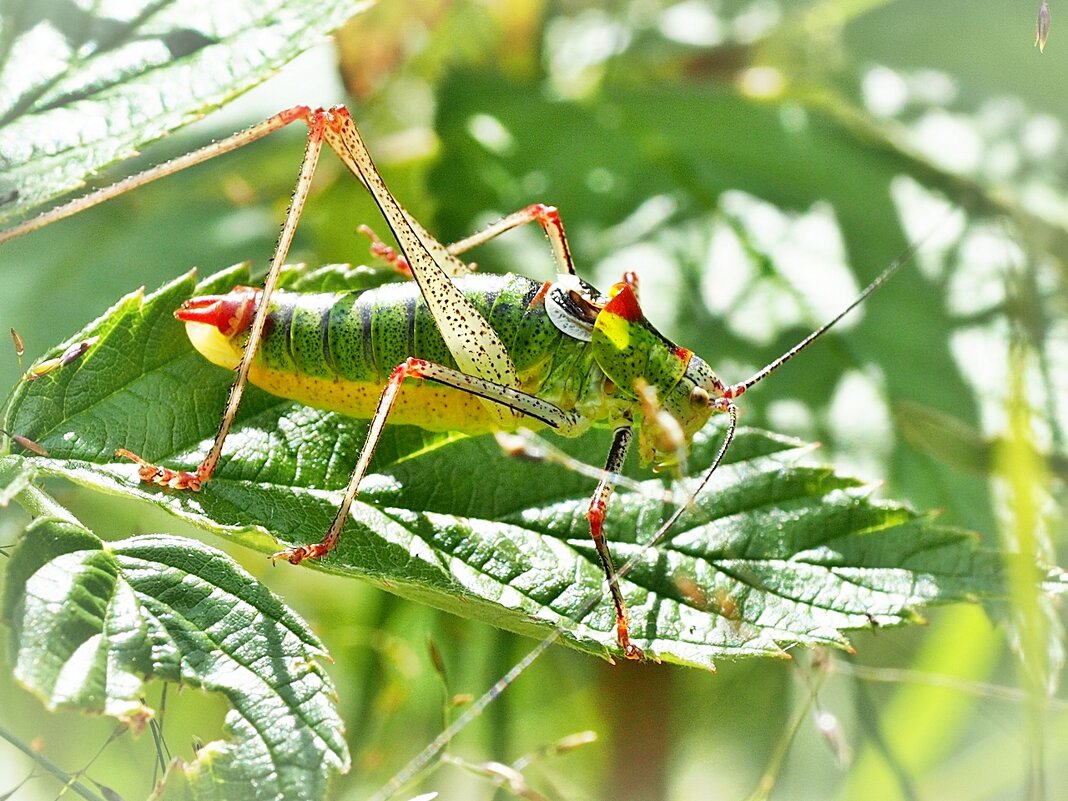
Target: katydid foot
298,553
164,476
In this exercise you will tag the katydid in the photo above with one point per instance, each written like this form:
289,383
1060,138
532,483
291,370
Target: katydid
488,353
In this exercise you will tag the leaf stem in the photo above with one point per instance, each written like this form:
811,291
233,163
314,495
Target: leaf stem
50,766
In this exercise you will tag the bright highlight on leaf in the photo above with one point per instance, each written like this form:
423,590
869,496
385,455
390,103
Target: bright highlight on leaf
776,553
113,80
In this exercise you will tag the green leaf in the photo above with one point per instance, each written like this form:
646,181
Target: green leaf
777,552
116,79
90,622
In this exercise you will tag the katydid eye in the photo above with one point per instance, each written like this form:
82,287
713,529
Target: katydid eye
699,397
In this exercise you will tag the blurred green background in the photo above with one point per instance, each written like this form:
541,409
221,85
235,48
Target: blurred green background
756,163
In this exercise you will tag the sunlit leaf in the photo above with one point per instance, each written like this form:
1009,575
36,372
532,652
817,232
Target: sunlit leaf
83,86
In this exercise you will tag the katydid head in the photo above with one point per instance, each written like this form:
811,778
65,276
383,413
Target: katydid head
700,385
637,358
670,382
215,323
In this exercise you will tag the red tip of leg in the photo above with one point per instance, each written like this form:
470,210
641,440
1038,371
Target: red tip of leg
298,553
164,476
633,652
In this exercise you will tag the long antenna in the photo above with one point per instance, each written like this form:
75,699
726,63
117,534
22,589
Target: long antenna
906,255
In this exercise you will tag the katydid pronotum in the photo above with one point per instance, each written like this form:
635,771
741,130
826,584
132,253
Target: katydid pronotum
505,351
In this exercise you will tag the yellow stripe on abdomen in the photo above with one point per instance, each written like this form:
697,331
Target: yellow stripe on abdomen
430,406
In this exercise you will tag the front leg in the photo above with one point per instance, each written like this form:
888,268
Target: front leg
617,454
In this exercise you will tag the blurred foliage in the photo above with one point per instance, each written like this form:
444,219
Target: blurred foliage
755,162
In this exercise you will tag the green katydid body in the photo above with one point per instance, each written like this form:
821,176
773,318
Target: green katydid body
487,353
337,350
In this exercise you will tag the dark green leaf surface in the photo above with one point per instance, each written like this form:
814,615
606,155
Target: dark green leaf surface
90,622
115,80
776,553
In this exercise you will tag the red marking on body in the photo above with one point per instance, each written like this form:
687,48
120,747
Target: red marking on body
624,303
549,217
409,368
539,296
337,117
683,354
230,313
721,404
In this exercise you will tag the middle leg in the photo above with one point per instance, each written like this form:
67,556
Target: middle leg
546,216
